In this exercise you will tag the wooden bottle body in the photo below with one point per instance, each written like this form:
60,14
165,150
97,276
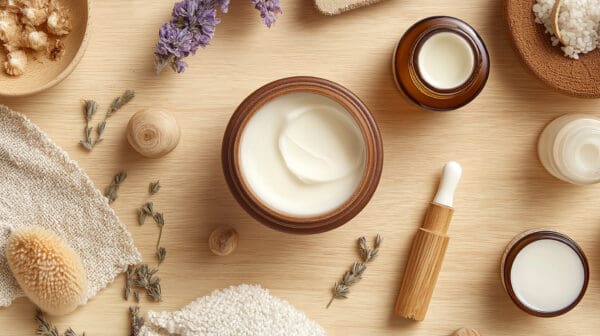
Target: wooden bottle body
424,264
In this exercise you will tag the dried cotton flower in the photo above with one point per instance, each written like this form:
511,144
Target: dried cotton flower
36,40
58,24
10,29
34,16
16,63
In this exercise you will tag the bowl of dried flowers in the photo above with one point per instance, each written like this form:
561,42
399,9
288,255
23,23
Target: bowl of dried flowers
42,41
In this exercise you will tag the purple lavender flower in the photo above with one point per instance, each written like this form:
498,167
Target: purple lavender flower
193,25
268,10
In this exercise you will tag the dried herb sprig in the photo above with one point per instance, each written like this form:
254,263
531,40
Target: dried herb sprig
112,190
142,277
146,210
46,328
89,109
136,321
116,105
154,187
341,289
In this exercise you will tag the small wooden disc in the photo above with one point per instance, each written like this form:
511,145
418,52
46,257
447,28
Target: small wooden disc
577,78
466,332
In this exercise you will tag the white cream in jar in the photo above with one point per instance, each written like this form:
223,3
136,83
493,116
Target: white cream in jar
569,148
547,275
445,60
302,154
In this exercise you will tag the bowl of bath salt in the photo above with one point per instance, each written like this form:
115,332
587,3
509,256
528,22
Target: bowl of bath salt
570,64
41,43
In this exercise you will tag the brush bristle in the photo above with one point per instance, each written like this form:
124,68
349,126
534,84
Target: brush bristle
48,270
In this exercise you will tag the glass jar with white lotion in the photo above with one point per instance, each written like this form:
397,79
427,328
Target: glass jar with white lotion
441,63
569,148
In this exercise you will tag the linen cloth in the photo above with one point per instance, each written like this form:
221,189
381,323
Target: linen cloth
244,310
40,185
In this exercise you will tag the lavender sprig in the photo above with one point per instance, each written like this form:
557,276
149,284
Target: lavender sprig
193,25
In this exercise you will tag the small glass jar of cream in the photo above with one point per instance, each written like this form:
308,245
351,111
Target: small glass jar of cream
545,272
302,155
441,63
569,148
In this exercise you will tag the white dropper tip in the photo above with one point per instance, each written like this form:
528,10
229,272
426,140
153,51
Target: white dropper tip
450,178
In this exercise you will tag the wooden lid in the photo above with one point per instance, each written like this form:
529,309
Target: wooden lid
577,78
280,221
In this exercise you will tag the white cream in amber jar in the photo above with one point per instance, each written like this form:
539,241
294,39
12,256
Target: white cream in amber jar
302,154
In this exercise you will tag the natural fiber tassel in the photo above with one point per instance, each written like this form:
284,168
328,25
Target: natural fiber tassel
48,270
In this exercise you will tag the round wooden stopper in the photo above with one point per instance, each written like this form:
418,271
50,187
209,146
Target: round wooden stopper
223,240
466,332
153,132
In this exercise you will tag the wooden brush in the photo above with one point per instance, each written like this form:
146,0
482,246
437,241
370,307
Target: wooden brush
428,250
335,7
48,270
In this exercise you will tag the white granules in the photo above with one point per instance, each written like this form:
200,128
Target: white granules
243,310
578,20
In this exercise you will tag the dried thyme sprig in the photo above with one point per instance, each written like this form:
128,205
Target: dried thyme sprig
116,105
113,189
146,210
341,289
70,332
161,253
136,321
142,277
154,187
46,328
89,109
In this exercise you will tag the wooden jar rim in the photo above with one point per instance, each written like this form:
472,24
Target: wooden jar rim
296,224
410,81
526,238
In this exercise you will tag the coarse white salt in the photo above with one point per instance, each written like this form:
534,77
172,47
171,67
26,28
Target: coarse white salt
578,21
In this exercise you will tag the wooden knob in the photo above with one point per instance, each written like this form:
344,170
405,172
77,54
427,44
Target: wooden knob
153,132
223,240
466,332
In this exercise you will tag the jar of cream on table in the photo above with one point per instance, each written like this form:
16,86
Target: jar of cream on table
302,155
545,272
441,63
569,148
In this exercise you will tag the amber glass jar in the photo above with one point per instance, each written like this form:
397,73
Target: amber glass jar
443,47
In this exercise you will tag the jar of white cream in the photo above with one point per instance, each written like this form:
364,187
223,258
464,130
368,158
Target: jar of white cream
302,155
441,63
545,272
569,148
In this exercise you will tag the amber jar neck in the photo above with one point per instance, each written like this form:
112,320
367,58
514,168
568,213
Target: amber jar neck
410,80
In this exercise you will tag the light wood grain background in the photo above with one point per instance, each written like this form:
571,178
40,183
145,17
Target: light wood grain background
505,190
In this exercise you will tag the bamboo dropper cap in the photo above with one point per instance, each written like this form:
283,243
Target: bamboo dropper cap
428,249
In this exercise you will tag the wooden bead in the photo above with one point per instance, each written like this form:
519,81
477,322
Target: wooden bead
153,132
48,270
466,332
223,240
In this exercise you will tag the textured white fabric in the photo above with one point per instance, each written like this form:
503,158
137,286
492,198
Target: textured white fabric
40,185
244,310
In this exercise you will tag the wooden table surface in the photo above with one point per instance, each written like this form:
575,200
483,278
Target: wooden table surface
504,190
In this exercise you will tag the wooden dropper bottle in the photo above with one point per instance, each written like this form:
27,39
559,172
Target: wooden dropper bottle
428,249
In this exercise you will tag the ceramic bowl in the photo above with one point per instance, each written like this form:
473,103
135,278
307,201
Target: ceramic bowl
42,74
271,217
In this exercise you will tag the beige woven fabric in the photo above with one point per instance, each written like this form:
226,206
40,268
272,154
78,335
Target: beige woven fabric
40,185
244,310
335,7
